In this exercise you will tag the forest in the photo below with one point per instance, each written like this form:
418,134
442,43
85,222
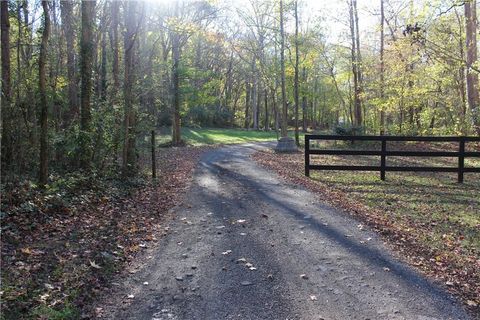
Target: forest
107,107
85,82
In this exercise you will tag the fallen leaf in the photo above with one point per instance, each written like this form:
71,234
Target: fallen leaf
313,298
49,286
94,265
26,250
471,303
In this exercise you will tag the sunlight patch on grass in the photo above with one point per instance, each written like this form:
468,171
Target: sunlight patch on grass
209,136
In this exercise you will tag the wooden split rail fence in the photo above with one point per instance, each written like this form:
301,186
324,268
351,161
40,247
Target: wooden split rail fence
461,154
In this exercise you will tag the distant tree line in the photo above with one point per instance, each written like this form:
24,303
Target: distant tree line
83,81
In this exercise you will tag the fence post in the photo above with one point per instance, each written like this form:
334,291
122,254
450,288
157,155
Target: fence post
461,160
383,159
307,156
154,168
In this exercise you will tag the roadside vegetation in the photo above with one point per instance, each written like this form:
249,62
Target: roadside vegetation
62,245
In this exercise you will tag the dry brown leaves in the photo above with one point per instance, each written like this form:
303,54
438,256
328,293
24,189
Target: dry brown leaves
65,253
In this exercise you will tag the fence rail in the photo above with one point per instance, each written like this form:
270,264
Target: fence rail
461,154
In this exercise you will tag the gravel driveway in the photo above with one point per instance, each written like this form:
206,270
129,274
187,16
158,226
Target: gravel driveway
247,245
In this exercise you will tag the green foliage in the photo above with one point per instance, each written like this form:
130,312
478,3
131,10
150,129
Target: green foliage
348,130
67,312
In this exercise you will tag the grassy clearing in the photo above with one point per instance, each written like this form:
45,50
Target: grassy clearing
209,136
432,219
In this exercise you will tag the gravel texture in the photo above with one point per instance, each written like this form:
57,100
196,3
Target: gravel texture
247,245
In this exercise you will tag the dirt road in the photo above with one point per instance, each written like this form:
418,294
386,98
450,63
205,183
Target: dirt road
247,245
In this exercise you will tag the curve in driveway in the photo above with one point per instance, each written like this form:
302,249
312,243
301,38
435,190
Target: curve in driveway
247,245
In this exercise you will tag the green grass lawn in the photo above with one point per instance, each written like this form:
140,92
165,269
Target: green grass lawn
208,136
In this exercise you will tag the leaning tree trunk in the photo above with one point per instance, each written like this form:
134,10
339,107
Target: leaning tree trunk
42,83
86,57
6,87
472,76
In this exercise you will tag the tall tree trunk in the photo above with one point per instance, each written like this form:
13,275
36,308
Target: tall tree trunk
66,7
460,77
472,76
284,131
295,85
315,105
355,65
6,88
176,134
358,110
129,156
103,68
42,83
247,104
382,68
254,94
259,104
304,103
275,111
115,60
267,120
86,55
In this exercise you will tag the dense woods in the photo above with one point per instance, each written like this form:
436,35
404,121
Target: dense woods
84,82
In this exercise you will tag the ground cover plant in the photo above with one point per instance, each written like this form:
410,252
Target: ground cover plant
61,246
